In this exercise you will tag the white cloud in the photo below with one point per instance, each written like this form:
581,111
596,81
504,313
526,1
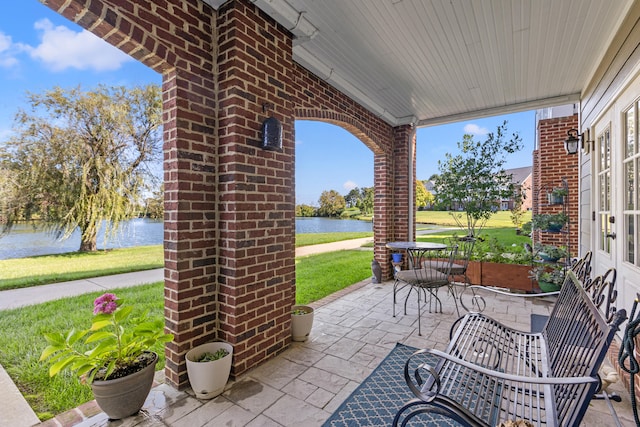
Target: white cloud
473,129
349,185
8,51
61,48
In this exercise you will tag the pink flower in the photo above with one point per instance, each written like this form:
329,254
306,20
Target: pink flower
105,304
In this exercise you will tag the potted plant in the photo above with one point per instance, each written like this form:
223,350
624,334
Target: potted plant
301,322
556,196
115,361
551,253
549,222
549,279
208,368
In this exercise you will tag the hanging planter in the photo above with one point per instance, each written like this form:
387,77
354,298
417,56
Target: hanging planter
556,196
549,222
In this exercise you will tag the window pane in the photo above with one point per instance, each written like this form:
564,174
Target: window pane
602,190
630,132
629,223
608,191
607,150
630,193
637,162
602,152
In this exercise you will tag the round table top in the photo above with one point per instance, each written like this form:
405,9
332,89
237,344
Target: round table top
415,245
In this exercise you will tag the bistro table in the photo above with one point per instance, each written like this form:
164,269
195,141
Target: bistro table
415,245
409,246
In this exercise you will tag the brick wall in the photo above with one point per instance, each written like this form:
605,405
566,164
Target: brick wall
229,204
550,166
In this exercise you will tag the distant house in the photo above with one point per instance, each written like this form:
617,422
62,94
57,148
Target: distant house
522,178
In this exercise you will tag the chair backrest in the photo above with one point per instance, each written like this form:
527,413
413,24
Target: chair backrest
578,336
465,249
430,267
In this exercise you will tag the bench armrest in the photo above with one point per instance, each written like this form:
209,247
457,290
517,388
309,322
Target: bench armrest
499,374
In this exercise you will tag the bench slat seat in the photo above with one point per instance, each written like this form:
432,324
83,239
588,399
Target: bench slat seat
491,373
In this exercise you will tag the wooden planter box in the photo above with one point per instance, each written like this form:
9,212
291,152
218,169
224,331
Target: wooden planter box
509,276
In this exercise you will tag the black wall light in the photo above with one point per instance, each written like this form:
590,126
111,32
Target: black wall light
572,142
271,132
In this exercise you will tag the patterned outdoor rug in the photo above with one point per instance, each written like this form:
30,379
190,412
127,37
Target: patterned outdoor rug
376,401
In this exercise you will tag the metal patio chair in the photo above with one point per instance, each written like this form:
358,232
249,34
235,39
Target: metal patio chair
430,270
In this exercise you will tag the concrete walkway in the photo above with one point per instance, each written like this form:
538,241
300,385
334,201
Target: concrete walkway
16,412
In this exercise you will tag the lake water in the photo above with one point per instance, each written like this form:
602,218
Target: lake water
24,241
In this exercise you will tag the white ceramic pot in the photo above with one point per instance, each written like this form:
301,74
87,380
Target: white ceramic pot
301,324
208,379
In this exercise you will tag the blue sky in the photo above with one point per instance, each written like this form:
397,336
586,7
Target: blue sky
39,50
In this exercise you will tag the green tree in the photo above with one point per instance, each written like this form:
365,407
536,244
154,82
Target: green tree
366,200
331,203
475,180
517,213
305,210
353,198
154,205
80,158
424,198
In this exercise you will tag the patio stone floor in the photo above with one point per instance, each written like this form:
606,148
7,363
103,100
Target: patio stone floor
353,331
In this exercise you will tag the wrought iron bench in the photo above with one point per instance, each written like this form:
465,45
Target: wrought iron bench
491,373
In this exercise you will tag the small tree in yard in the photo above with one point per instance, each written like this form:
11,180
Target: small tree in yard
475,181
331,203
80,158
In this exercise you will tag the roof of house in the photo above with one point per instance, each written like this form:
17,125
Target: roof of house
519,175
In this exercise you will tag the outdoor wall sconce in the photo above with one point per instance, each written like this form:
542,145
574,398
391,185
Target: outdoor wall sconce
572,142
271,132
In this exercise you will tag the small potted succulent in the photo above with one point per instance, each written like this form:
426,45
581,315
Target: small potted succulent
208,368
301,322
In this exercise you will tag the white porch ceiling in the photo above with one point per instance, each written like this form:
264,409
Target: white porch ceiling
430,62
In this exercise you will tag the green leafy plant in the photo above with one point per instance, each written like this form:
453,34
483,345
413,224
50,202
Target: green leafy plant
551,252
553,275
208,356
549,221
113,351
471,183
559,192
299,312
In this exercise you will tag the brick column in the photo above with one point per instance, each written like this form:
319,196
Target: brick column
551,165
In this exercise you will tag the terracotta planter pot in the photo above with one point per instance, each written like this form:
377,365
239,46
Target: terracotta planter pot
208,379
125,396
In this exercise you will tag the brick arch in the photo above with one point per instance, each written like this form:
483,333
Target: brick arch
229,205
345,121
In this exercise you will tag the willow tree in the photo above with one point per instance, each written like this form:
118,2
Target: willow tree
78,160
473,183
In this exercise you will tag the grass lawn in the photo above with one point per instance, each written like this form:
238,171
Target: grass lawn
21,341
33,271
444,218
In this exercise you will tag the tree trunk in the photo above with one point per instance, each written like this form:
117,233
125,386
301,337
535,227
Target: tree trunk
88,242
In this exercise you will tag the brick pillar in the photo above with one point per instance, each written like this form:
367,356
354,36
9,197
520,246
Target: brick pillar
395,174
256,278
551,165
